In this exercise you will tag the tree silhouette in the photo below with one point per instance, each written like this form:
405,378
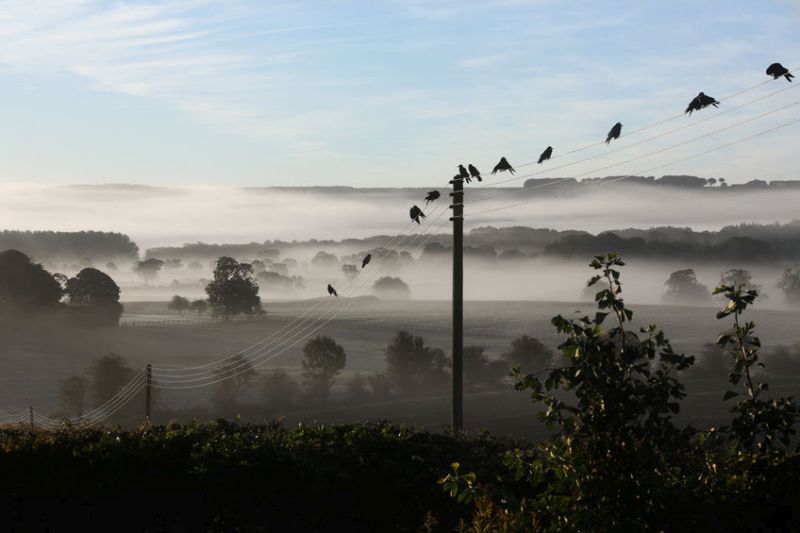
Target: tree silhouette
323,358
72,394
94,289
529,354
107,376
25,285
199,306
412,366
232,377
391,288
179,304
233,291
683,287
148,269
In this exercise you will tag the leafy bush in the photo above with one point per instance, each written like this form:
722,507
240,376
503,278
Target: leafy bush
618,461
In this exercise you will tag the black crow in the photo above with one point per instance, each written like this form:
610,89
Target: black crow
416,213
462,172
366,260
615,132
548,152
432,195
503,165
776,70
474,172
332,291
699,102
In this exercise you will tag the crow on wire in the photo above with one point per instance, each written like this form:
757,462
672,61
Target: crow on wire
416,213
474,172
332,291
776,70
431,196
366,260
615,132
699,102
548,152
502,166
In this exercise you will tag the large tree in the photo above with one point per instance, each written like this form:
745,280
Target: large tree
412,366
25,285
233,291
94,289
323,358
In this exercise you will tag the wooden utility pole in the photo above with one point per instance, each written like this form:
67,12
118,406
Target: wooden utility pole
457,380
148,383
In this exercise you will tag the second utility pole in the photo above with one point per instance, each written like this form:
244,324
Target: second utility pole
457,387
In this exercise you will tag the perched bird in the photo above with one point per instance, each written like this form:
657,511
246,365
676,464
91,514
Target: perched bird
416,213
503,165
462,173
474,172
699,102
615,132
366,260
776,70
548,152
432,195
332,291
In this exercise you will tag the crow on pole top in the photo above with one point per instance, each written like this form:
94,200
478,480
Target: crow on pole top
701,101
614,133
548,152
463,174
776,70
502,166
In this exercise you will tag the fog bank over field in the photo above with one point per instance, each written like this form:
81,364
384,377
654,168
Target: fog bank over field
165,216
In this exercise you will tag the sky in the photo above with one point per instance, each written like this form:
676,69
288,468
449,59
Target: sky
379,93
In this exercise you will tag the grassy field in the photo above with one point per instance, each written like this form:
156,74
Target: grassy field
37,361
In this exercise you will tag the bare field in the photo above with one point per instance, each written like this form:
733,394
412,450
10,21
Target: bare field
35,362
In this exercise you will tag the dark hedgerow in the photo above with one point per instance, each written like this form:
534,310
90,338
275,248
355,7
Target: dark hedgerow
223,476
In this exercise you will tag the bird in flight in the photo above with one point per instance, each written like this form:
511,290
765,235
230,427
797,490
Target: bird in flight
432,195
776,70
332,291
699,102
615,132
548,152
474,172
366,260
502,166
416,213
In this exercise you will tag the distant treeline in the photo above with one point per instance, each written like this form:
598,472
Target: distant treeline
748,243
70,245
682,181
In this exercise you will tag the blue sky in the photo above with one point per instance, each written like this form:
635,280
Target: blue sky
373,93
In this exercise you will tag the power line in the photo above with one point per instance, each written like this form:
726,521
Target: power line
628,176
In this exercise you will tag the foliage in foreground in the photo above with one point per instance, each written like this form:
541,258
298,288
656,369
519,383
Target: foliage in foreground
618,461
224,476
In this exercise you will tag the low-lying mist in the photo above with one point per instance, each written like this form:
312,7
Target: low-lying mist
158,216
